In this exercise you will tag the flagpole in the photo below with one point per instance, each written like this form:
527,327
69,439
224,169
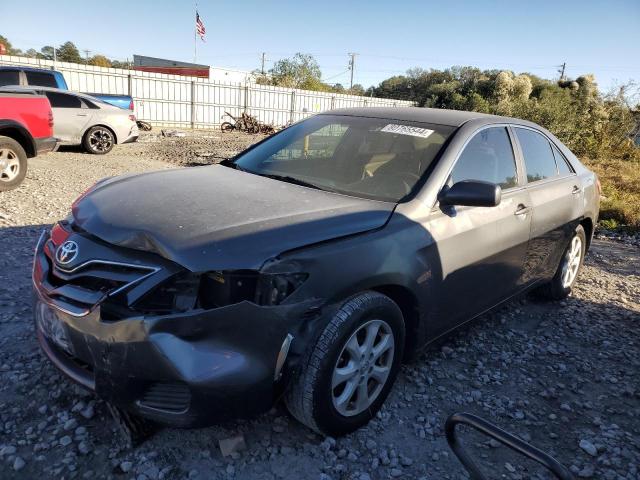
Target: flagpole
195,35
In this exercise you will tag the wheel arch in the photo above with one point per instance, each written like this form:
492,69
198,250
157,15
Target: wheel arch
409,306
587,224
19,134
104,125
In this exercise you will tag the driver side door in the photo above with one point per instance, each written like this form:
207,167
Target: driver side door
481,249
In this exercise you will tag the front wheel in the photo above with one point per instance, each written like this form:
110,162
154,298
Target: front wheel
13,164
560,286
346,377
98,140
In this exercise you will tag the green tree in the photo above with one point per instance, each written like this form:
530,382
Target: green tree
47,52
357,89
9,47
100,61
300,71
68,52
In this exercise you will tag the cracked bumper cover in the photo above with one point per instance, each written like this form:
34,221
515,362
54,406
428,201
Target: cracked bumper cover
214,363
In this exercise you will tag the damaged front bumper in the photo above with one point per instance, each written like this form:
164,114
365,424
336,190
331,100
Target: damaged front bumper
186,369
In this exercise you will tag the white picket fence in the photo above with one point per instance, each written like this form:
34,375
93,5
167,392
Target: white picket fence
172,100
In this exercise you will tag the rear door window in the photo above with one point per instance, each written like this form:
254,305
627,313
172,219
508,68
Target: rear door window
62,100
487,157
41,79
538,156
9,77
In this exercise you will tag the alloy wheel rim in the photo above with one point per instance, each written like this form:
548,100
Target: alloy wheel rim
100,140
9,165
572,262
362,368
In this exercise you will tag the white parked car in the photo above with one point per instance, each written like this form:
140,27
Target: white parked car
80,119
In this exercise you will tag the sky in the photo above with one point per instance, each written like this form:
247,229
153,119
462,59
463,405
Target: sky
536,36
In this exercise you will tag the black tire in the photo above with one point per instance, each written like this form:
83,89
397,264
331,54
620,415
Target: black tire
309,396
13,164
557,289
98,140
227,127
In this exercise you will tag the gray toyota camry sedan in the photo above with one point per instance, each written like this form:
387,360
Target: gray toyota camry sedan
309,266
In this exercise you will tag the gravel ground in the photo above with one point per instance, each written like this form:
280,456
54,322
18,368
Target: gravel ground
565,376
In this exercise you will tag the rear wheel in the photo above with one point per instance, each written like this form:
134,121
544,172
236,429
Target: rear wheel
13,164
560,286
346,377
227,126
98,140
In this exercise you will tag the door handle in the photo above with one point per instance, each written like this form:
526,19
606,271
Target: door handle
576,190
81,114
522,210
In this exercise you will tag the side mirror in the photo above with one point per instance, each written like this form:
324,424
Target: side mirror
472,193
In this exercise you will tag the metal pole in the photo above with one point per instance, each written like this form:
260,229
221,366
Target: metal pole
55,58
352,65
246,97
195,35
293,106
193,104
262,68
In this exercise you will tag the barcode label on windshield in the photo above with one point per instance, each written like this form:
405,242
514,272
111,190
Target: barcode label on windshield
407,130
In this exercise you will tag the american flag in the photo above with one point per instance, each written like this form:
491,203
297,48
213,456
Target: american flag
200,30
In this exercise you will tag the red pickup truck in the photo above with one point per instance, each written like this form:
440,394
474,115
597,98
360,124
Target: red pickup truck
26,129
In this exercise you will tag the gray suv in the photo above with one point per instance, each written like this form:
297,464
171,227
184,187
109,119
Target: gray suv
310,265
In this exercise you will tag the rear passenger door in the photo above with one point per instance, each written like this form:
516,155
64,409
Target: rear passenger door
70,116
556,195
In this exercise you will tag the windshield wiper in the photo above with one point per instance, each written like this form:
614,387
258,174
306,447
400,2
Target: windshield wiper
288,179
283,178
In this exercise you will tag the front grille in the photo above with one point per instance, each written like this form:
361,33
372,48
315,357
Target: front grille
167,397
78,290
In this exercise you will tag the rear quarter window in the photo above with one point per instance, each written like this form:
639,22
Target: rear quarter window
564,168
62,100
41,79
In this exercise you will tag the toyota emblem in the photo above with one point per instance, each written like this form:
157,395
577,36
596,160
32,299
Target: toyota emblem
67,252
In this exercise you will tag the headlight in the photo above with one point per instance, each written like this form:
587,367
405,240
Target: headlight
188,291
218,289
274,288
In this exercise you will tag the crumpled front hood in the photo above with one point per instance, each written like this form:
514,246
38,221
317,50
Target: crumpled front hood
217,218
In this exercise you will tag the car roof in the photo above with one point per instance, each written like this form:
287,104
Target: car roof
453,118
31,69
37,88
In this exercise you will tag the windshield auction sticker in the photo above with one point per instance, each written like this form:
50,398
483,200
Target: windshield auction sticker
407,130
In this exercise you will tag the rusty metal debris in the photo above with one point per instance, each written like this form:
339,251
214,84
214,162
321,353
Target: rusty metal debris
247,123
144,126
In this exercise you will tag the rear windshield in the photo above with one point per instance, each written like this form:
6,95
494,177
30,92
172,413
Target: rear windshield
375,158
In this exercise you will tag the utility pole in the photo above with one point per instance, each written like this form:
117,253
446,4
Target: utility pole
561,70
263,58
352,66
86,56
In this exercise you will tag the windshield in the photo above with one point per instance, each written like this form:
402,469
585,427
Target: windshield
373,158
